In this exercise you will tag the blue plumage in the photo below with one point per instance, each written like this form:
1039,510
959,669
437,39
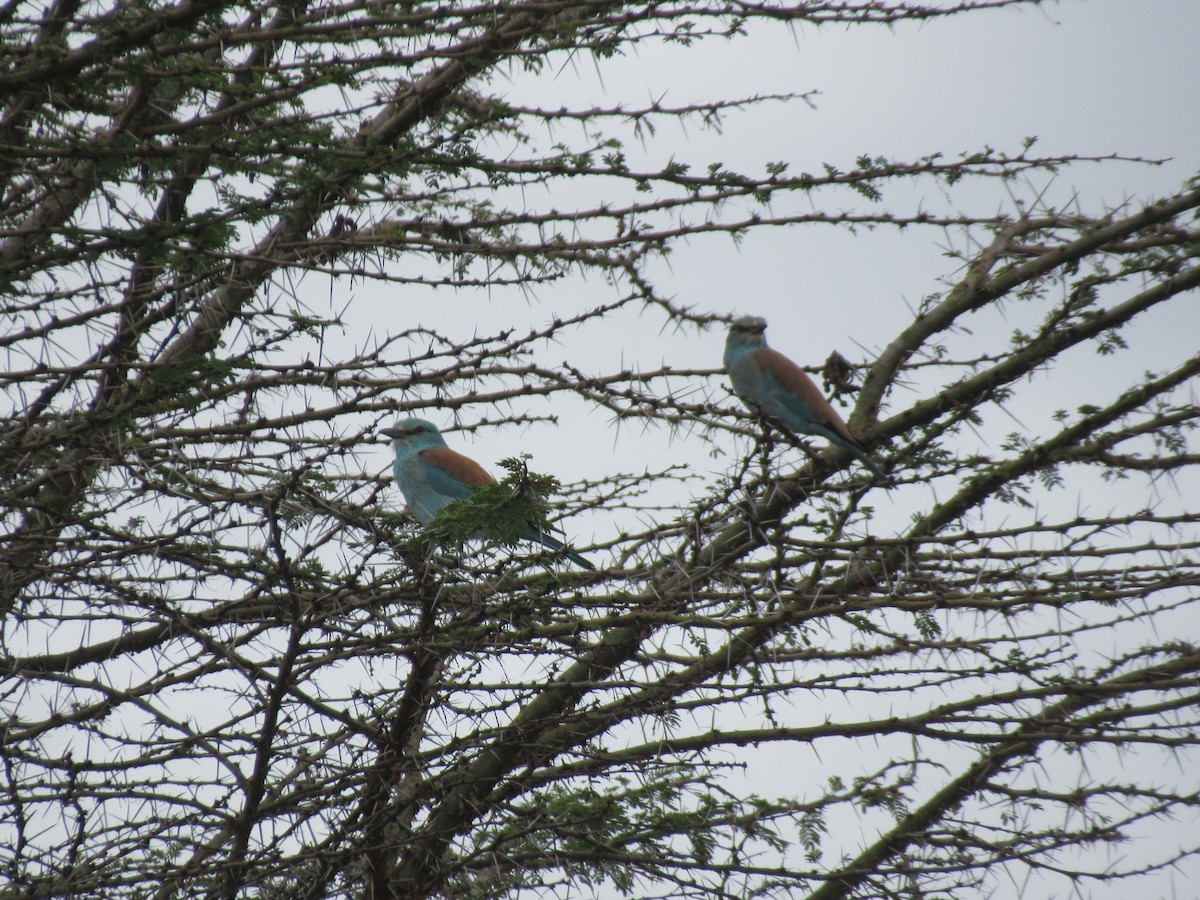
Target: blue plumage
432,476
770,383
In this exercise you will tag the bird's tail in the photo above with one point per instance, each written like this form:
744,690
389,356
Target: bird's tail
861,456
853,446
558,546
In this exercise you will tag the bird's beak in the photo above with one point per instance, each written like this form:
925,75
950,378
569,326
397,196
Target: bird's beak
393,433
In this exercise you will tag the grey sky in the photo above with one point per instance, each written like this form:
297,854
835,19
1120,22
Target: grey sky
1092,78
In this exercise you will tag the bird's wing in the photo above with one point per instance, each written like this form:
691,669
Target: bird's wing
452,474
795,383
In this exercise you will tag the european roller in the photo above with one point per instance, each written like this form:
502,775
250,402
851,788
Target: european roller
770,383
432,476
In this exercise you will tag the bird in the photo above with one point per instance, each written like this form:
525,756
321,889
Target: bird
770,383
432,476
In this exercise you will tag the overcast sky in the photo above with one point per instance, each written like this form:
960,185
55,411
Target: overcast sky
1089,77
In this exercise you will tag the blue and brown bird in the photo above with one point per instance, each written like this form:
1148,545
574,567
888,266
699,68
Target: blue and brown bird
771,384
432,476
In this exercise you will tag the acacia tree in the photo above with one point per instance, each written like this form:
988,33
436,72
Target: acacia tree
231,668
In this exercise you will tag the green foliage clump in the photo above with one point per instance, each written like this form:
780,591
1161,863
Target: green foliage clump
501,513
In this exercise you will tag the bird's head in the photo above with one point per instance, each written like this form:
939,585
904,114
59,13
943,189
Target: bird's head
413,432
747,330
